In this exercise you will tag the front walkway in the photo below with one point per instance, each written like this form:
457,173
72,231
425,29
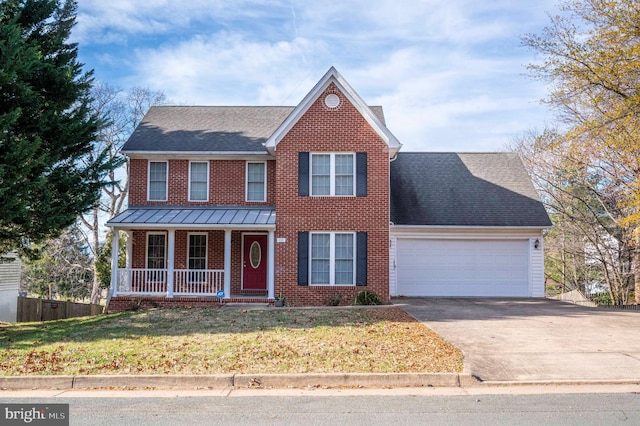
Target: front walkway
534,339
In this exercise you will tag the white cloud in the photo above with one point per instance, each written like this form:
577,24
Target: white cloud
449,74
226,69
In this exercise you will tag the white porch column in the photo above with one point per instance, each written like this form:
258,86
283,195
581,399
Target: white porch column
227,263
170,257
114,262
271,251
129,249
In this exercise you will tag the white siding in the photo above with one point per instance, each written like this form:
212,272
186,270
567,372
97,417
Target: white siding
10,273
9,285
537,267
393,282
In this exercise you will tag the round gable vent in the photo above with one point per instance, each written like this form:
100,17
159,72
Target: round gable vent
332,101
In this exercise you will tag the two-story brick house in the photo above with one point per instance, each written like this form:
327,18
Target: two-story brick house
248,203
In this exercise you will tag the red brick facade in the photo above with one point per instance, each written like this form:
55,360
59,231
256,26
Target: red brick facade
321,129
227,184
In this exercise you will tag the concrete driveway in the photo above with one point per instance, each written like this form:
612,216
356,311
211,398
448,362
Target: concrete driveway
535,339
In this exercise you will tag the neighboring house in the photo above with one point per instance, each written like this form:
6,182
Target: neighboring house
313,202
9,285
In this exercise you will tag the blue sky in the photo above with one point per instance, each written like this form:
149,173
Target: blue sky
450,74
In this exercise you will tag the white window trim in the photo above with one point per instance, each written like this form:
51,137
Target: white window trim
246,182
166,182
206,245
332,173
189,189
332,258
146,252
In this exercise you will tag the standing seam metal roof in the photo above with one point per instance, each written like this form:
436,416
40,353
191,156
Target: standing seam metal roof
188,216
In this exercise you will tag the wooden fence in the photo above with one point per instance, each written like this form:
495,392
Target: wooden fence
30,309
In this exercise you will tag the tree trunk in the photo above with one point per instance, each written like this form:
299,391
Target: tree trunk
96,291
636,266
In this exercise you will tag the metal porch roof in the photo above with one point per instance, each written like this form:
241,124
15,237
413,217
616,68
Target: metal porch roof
195,217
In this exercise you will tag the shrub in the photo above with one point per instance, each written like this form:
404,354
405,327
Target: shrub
368,298
334,300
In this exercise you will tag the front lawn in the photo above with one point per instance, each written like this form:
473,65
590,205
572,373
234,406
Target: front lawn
210,341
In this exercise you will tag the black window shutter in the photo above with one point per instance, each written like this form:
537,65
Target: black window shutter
361,259
361,174
303,174
303,258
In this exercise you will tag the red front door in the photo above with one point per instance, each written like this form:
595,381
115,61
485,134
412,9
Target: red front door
254,262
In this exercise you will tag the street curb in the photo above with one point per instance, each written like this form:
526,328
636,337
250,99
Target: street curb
498,383
331,380
211,381
237,381
36,382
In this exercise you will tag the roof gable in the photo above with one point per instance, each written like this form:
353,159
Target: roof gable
210,129
466,189
333,76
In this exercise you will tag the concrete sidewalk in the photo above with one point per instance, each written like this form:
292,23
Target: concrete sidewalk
535,340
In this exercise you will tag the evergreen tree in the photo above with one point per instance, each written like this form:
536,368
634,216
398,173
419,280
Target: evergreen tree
49,173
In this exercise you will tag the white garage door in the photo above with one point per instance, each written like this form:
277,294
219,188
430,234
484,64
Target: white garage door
486,268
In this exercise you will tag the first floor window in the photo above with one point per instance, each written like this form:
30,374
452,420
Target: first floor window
156,257
197,251
157,181
197,257
332,258
156,244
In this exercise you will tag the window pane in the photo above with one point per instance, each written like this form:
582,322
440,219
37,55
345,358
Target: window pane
344,185
157,181
198,191
344,255
344,164
198,182
255,181
344,174
321,185
321,174
320,258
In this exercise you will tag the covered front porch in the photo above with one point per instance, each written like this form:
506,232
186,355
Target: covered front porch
216,254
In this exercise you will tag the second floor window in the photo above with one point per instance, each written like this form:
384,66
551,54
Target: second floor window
198,181
158,181
332,174
256,182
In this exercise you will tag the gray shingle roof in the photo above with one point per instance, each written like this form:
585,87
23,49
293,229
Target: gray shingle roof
195,216
449,189
209,128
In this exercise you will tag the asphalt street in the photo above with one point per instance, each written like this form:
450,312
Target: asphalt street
390,407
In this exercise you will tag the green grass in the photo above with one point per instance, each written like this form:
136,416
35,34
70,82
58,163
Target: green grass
209,341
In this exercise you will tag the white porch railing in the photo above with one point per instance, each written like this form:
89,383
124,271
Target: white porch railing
198,282
142,281
186,282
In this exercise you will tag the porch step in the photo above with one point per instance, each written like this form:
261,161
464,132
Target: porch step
237,305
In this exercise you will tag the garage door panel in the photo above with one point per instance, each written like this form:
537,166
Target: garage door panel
441,267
